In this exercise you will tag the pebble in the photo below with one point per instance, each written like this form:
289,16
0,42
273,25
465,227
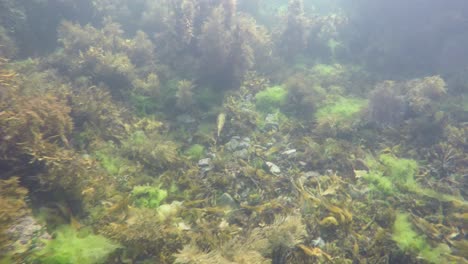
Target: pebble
204,162
289,152
273,168
226,200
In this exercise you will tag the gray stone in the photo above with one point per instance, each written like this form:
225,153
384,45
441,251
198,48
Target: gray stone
319,242
273,168
271,122
204,162
243,154
244,145
289,152
311,174
185,119
232,145
226,200
237,144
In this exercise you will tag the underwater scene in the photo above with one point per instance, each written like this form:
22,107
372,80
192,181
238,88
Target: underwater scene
233,131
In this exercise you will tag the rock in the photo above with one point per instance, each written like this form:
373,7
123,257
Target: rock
271,122
185,119
289,152
232,145
244,145
237,144
204,162
319,242
242,154
22,234
226,200
273,168
311,174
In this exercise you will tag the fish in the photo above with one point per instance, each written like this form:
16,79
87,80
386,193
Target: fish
220,123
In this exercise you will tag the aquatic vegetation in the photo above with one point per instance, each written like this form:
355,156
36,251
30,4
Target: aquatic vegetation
143,231
137,146
390,172
379,181
401,171
113,164
423,93
226,50
208,98
69,246
8,48
391,102
340,114
38,122
95,114
231,132
195,152
12,207
260,243
270,99
410,241
111,58
294,36
184,95
387,105
327,75
304,95
149,87
148,196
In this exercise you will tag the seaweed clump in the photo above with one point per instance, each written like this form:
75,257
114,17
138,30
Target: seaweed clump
259,246
411,242
13,207
270,99
392,102
389,173
69,246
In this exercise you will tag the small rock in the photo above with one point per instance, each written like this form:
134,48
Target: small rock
273,168
233,144
244,145
226,200
185,119
311,174
319,242
271,122
242,154
289,152
204,162
237,144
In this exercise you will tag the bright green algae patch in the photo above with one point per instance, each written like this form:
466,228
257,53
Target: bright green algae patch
148,196
341,109
69,247
195,152
389,172
270,99
409,240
